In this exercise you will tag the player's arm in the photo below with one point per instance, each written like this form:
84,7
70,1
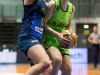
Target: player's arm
28,2
69,23
90,38
70,20
62,41
51,6
99,38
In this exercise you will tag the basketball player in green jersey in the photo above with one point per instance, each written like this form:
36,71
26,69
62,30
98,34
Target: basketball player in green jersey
59,17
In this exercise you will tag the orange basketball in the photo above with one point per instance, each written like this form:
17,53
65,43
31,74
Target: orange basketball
72,37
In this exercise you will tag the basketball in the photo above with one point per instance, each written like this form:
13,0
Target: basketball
72,37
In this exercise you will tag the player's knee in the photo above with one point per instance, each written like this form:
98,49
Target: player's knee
57,60
48,71
45,65
67,69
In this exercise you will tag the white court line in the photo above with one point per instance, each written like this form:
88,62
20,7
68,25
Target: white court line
11,73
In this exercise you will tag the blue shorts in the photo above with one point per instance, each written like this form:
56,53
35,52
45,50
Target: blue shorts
26,42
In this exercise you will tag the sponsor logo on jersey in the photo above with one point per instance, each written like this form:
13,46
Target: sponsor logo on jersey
43,10
57,8
40,30
34,41
58,23
42,21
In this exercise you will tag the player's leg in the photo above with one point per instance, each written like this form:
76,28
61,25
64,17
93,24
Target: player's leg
56,59
48,71
38,55
66,66
96,56
95,51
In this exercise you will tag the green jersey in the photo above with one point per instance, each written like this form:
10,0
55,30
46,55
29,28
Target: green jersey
57,22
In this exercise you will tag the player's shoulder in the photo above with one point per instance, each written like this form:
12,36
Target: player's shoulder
51,3
71,5
99,34
92,34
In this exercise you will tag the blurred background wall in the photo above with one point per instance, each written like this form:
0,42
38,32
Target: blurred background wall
87,12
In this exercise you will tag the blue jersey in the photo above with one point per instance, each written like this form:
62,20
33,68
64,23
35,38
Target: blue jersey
33,20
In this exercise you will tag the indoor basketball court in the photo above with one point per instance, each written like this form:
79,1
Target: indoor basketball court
87,15
20,69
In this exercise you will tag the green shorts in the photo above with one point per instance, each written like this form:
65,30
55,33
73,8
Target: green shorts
54,42
64,51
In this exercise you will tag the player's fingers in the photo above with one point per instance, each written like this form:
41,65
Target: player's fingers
66,40
65,34
60,44
64,45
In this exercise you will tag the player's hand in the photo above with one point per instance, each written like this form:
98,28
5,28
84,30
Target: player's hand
43,38
62,41
90,41
99,41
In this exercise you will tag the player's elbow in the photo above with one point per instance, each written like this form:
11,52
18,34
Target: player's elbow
46,27
73,8
88,39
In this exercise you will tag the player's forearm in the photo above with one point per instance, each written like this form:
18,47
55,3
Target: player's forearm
99,40
89,40
50,31
69,28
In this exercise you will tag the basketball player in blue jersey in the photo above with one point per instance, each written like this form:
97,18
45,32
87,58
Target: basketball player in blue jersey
29,39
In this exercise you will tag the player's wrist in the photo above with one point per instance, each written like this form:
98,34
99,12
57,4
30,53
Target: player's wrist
59,36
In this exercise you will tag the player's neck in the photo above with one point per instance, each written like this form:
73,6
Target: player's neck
64,4
95,32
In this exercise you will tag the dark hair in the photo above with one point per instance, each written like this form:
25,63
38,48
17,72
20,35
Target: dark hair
94,26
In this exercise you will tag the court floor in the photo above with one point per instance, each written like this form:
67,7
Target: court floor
20,69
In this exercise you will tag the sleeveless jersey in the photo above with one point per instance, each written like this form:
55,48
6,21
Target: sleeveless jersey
57,22
33,20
